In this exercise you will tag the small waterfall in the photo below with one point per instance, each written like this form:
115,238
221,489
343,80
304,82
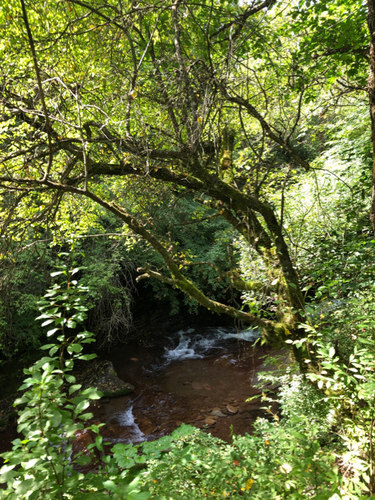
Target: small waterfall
194,345
126,419
191,380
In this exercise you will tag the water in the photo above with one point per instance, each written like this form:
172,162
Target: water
193,344
126,419
197,376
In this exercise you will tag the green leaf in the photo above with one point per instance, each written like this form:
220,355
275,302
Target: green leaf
47,322
82,460
74,388
57,273
86,416
56,419
53,350
81,406
87,357
74,348
183,431
46,346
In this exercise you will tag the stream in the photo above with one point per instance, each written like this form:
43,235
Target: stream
197,376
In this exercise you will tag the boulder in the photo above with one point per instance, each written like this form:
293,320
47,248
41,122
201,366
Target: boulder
102,375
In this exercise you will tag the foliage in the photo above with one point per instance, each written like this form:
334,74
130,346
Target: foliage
343,375
192,464
108,274
203,112
177,219
218,149
53,406
350,388
326,212
298,451
25,277
300,401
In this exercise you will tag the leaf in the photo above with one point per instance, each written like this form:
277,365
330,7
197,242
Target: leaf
257,396
48,322
125,455
87,357
56,419
51,332
82,405
135,495
53,350
46,346
74,388
74,348
86,416
92,393
99,442
76,270
183,431
331,352
57,273
82,460
30,463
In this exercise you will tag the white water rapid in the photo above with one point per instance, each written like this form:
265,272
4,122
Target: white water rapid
194,345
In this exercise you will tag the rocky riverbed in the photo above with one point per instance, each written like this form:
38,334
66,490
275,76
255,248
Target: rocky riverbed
200,376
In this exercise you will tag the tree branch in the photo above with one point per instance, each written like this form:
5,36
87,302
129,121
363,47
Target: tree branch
40,86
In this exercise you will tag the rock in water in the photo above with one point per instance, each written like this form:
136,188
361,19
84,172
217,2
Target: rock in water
102,375
216,412
232,409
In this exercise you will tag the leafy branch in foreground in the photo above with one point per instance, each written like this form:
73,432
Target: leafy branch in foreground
53,407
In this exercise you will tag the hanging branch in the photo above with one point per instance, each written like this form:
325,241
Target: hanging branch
40,87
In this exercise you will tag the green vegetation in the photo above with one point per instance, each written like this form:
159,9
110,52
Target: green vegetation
321,447
218,154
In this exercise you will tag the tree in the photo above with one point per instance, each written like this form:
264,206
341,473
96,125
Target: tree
205,98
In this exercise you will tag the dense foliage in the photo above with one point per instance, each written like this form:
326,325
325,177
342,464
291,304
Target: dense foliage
219,149
320,446
184,103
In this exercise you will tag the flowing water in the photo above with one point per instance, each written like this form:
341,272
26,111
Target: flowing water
197,376
201,377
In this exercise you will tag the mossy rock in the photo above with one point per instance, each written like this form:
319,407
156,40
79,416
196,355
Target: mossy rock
102,375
